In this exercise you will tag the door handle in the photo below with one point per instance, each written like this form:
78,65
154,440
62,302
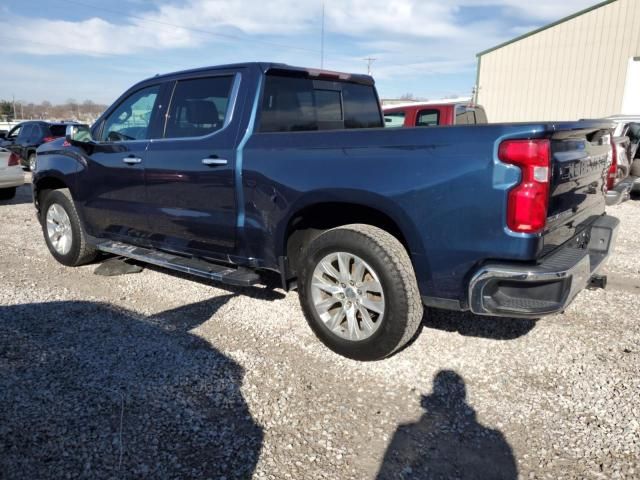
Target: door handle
212,162
132,160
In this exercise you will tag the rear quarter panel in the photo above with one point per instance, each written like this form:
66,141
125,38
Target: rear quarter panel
443,187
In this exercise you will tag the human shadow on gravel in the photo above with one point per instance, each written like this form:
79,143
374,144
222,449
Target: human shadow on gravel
88,390
470,325
447,442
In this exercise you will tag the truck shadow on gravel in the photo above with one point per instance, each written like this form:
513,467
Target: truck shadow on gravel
470,325
92,391
447,441
267,291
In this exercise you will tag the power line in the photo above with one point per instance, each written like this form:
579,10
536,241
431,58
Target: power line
369,60
80,50
192,29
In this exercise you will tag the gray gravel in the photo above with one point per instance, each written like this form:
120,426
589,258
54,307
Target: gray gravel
160,376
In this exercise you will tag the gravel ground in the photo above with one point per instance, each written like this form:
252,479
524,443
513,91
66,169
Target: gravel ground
159,375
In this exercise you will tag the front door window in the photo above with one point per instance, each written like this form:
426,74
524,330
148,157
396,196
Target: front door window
131,120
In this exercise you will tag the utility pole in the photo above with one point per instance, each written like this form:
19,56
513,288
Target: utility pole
322,40
369,60
14,106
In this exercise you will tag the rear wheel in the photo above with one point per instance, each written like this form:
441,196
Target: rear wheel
62,230
32,161
359,292
7,193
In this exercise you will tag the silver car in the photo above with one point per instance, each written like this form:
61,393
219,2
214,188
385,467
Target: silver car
11,174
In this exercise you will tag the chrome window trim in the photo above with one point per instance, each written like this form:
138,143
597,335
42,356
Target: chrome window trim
231,106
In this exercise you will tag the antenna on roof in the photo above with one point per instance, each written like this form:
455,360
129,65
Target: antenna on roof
322,40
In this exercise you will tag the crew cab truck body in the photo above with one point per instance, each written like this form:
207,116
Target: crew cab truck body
427,114
229,171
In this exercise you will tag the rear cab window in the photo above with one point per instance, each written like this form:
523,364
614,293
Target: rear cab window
294,102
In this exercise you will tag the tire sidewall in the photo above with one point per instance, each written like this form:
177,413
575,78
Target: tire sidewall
30,166
59,198
385,339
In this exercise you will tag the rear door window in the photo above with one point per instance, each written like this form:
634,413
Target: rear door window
198,106
428,118
36,133
294,103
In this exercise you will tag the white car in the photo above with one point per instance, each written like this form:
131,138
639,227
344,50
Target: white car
11,174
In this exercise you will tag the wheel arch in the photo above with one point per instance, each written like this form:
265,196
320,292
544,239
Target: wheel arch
46,183
316,214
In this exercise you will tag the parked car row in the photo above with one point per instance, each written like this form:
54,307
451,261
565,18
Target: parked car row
428,114
25,138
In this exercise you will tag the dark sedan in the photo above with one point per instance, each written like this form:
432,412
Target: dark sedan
26,137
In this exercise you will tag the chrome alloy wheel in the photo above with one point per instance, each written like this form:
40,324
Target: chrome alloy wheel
59,229
347,296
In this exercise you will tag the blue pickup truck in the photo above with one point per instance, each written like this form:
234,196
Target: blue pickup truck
229,172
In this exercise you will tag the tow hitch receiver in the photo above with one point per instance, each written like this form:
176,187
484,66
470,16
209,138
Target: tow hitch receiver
597,281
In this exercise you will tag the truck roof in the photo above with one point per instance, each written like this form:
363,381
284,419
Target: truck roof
269,66
456,101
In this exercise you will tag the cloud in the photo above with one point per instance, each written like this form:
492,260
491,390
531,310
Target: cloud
411,39
229,21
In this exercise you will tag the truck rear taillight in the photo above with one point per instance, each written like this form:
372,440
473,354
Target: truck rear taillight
612,173
528,201
14,160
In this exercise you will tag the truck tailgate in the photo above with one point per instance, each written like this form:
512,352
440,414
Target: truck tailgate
581,154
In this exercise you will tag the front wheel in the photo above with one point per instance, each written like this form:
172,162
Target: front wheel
359,292
63,231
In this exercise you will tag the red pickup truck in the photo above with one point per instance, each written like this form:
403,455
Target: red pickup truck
432,114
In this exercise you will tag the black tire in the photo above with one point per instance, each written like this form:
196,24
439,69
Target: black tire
390,261
81,252
7,193
31,161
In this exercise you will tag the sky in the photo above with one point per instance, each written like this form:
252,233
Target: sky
91,49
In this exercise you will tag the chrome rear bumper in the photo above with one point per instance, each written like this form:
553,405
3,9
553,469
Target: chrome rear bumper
531,291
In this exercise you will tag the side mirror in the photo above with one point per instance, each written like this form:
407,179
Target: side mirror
78,133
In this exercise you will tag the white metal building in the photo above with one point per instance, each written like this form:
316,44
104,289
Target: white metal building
586,65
